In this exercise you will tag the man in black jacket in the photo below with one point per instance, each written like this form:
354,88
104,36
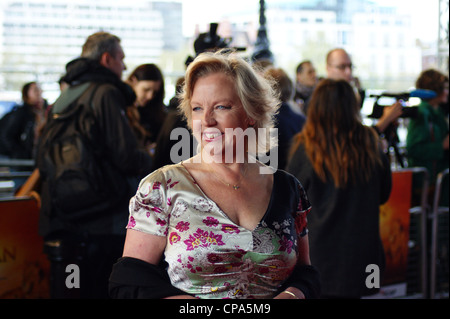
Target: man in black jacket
91,239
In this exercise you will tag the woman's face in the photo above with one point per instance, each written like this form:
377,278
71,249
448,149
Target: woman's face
444,95
145,91
215,107
34,94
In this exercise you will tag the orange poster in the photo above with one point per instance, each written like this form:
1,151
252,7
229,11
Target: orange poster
394,227
24,268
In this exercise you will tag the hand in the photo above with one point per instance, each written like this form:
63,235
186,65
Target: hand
287,294
445,143
390,114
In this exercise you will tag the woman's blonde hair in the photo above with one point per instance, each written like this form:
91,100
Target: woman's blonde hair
256,94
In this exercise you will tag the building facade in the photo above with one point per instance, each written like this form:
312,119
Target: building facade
38,37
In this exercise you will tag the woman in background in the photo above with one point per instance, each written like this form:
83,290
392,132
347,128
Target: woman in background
347,176
427,140
149,112
21,127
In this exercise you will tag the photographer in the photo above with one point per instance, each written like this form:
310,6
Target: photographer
390,114
427,140
340,67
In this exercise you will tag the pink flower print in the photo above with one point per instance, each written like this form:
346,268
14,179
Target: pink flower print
300,222
220,270
153,198
157,210
169,201
202,204
211,221
182,226
174,238
179,208
285,245
214,258
160,222
156,185
131,222
201,238
231,229
170,184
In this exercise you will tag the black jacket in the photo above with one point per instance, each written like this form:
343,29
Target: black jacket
17,133
119,149
344,227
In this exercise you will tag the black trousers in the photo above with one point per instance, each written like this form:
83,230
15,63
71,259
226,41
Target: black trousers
80,266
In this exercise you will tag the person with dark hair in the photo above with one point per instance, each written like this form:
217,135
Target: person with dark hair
347,176
164,143
147,82
287,121
427,140
91,234
148,112
20,128
306,81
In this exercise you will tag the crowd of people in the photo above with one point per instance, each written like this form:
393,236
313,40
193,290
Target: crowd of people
219,222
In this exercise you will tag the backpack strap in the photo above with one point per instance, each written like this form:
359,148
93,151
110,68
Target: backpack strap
69,96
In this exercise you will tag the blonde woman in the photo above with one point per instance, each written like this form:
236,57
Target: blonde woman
226,227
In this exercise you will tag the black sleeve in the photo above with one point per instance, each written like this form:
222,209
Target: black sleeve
11,133
133,278
306,278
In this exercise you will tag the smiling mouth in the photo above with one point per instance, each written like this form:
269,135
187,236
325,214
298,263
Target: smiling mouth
212,136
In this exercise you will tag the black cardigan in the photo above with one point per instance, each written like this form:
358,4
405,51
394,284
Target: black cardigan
343,226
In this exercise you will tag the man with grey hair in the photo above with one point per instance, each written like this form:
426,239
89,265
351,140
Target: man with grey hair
106,49
87,228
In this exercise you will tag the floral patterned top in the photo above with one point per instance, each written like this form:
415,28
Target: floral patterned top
208,255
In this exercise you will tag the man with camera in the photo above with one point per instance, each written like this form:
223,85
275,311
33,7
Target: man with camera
340,67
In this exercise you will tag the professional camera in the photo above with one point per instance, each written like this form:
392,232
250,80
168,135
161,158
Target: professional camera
211,41
378,107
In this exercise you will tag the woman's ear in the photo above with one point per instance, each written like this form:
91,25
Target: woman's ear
132,80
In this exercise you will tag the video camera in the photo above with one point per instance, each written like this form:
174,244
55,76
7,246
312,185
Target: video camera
211,41
408,111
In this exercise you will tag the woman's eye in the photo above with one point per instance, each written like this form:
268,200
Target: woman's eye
196,108
223,107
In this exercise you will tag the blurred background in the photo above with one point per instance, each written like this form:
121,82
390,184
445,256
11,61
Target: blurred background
390,41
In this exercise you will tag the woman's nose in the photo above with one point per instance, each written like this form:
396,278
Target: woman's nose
209,118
